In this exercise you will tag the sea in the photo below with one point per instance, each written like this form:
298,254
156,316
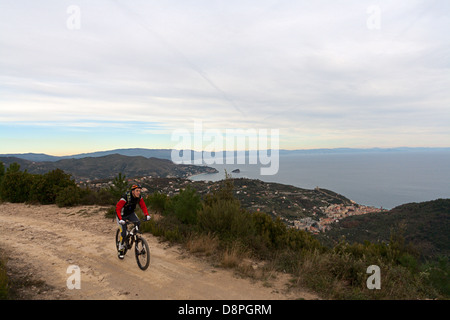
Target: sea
383,179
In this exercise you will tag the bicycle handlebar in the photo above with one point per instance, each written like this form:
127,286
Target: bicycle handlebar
134,222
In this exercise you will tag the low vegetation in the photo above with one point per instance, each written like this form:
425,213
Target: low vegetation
54,187
4,281
252,243
236,238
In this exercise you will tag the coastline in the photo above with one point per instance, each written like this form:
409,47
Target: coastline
378,179
198,174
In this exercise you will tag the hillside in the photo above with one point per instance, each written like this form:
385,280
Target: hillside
276,199
105,167
306,209
425,224
260,234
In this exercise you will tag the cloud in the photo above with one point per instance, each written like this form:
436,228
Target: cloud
310,69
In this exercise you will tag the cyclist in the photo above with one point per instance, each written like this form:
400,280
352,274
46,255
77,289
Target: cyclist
125,211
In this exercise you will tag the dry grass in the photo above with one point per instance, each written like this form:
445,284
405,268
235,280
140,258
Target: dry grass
205,244
233,256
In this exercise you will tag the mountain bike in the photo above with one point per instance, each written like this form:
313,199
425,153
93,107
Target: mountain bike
141,249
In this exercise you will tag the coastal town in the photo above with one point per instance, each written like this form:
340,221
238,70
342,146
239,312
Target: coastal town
304,209
333,214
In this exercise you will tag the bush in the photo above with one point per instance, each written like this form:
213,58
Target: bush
221,214
54,187
437,274
270,232
169,228
16,185
225,218
185,206
157,202
2,174
119,187
274,234
111,213
68,197
45,188
4,281
101,197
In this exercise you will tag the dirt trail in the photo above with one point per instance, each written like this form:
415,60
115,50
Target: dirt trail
43,241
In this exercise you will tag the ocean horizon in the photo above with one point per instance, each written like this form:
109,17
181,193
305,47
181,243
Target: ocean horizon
376,178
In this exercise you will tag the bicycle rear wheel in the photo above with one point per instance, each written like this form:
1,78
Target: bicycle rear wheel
142,253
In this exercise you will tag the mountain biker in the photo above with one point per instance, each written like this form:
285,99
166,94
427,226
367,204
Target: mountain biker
125,211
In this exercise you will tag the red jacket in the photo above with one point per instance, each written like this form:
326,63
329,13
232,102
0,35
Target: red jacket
127,205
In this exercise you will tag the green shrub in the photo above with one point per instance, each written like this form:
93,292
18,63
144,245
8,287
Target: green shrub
2,174
45,188
4,281
16,185
270,232
68,197
111,213
437,274
103,197
274,234
226,219
158,202
169,229
119,186
185,206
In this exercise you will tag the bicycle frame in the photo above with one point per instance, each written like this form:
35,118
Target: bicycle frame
132,234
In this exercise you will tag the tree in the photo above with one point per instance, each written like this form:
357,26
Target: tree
45,188
2,174
119,186
13,168
223,193
157,202
222,214
16,185
68,196
185,205
2,171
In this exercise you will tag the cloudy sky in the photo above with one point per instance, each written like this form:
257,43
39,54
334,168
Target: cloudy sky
80,76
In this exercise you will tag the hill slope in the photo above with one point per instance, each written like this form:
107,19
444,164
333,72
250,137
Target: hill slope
91,168
425,224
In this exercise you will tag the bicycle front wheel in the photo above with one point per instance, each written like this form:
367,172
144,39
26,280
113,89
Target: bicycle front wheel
142,252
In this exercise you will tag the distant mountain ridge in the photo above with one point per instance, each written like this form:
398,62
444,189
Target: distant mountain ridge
167,153
109,166
132,152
